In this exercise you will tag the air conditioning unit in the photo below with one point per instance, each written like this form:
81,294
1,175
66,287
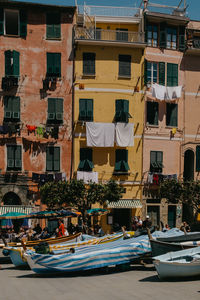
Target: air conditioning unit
51,116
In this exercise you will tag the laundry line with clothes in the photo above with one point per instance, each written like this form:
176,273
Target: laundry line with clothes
167,93
48,177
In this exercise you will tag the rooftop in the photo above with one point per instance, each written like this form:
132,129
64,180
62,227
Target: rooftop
66,3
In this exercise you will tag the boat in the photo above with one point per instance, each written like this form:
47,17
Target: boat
179,264
159,248
19,260
190,236
122,251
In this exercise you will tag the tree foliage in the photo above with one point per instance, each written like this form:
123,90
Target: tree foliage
76,194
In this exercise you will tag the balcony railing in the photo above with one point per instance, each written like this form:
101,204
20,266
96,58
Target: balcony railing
108,35
108,11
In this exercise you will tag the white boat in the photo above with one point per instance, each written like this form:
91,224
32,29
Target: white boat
179,264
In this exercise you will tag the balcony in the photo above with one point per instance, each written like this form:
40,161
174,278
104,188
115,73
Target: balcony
109,37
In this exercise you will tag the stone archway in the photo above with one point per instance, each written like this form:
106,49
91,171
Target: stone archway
11,198
20,191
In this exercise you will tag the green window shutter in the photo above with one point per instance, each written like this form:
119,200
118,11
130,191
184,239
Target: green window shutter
121,160
86,163
49,158
50,64
1,21
159,157
23,23
172,114
163,35
82,109
8,66
59,109
118,110
89,63
51,109
53,25
10,157
162,73
197,158
182,45
118,160
16,108
57,64
153,157
125,111
152,113
18,157
56,159
172,74
8,107
145,72
89,109
16,63
125,65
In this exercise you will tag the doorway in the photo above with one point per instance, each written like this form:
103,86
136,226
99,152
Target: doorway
121,217
172,216
154,214
188,165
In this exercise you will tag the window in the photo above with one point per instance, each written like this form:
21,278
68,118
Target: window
198,158
86,109
55,111
86,163
14,158
152,72
121,160
152,35
156,161
171,38
152,113
11,63
172,74
98,34
125,66
53,64
13,22
53,159
172,114
122,34
53,25
89,64
122,111
11,109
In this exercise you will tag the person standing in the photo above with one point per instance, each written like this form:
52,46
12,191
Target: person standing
147,223
61,228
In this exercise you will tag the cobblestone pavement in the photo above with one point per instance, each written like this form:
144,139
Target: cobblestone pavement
138,282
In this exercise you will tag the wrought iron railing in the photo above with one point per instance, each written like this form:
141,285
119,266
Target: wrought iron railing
108,35
108,11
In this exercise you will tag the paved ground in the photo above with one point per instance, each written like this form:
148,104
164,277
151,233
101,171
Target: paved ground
137,283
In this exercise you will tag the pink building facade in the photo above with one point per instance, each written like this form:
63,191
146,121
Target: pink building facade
164,112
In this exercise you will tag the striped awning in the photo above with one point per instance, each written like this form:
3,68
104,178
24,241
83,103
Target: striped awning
125,203
15,208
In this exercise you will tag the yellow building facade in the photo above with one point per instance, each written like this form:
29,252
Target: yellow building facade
109,59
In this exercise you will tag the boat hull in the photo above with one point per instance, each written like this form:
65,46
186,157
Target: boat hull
176,270
181,238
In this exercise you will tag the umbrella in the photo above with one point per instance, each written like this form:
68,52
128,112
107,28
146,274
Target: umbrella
97,211
12,215
25,223
7,223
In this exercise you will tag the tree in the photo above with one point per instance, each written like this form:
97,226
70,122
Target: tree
75,193
186,192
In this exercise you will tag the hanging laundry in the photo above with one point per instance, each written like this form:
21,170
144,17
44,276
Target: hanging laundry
150,178
50,177
43,179
4,129
155,179
173,92
162,92
64,177
124,134
87,176
31,128
100,134
40,131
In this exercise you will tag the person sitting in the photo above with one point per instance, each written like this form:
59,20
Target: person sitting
44,234
166,228
185,227
125,234
147,222
37,229
30,234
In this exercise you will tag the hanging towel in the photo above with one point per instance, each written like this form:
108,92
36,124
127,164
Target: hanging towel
40,131
87,176
173,92
159,91
124,134
64,177
35,177
100,134
58,177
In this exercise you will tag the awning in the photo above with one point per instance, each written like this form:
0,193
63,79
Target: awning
16,208
125,203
